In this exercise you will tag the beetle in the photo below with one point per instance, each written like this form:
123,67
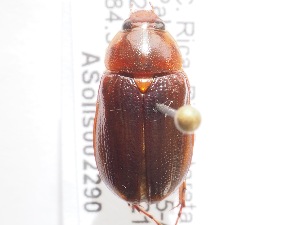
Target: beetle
140,154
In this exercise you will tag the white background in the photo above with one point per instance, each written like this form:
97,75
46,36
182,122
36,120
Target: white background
249,74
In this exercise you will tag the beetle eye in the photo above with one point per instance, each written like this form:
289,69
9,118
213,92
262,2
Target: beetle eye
127,25
159,25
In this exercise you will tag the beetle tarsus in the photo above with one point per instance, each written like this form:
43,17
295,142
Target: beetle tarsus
141,210
182,190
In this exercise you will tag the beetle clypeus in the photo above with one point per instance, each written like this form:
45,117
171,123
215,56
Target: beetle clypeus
140,154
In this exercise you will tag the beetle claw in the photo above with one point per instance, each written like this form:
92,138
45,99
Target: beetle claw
176,206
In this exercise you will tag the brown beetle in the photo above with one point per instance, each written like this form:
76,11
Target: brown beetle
140,154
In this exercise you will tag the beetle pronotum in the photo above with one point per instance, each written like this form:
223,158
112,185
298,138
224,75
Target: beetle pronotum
140,154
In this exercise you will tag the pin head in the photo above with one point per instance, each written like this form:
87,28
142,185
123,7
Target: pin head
187,119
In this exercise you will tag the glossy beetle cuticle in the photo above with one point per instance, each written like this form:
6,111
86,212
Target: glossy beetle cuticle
140,154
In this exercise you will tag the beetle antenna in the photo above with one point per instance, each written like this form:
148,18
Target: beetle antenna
187,118
131,6
152,8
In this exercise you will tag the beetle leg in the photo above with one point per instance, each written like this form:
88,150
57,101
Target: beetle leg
141,210
182,190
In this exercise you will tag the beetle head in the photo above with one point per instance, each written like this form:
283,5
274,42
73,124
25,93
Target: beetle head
143,48
143,18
